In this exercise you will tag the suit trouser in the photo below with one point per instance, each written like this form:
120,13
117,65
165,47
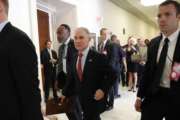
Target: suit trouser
110,99
116,86
76,109
164,104
91,109
50,81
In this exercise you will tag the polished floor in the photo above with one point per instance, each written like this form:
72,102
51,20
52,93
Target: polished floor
123,108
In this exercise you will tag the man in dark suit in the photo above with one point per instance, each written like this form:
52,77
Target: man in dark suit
122,63
48,61
20,94
66,52
88,77
111,51
159,90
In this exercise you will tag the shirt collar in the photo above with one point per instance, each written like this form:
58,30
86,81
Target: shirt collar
67,41
85,51
104,42
2,25
173,36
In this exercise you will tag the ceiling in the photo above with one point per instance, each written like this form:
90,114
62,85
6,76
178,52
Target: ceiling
148,14
56,5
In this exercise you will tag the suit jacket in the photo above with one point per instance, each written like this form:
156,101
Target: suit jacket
149,85
20,94
113,56
45,60
71,50
96,75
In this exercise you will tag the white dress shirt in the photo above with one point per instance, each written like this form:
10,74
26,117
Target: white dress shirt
50,53
65,55
2,25
165,80
104,43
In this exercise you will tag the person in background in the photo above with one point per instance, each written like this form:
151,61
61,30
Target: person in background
48,62
147,42
65,57
159,91
122,62
20,94
111,51
142,50
131,65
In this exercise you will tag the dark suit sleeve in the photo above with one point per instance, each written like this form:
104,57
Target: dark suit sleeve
23,66
106,72
113,58
42,57
69,89
145,81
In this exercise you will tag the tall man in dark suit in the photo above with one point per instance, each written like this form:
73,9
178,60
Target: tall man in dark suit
88,77
66,52
159,90
20,94
48,61
111,51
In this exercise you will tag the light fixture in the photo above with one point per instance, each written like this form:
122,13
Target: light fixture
151,2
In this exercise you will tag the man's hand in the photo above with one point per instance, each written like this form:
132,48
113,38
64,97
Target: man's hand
99,95
138,105
62,98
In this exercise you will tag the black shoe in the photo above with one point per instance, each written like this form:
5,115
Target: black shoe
134,90
117,96
109,108
130,90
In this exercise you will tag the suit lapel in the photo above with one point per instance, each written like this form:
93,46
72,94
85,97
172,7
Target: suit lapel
75,57
155,49
107,43
47,52
87,63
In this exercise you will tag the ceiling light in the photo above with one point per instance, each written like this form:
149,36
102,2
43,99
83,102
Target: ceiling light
151,2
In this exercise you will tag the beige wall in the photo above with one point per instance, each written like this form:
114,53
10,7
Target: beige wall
116,19
112,17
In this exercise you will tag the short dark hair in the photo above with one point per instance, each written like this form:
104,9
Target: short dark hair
47,42
172,2
112,36
66,27
102,29
6,4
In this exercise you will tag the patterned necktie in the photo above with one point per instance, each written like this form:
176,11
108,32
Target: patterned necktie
61,54
79,66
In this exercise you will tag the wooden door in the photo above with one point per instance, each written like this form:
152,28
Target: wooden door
43,30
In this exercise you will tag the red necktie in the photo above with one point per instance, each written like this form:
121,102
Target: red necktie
79,66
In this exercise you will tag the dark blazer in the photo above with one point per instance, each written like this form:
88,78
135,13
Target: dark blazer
45,60
96,75
113,56
71,50
148,85
20,94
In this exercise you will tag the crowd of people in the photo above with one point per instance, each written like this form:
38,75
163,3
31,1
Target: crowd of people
88,76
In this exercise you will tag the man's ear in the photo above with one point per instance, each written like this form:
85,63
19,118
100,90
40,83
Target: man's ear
178,16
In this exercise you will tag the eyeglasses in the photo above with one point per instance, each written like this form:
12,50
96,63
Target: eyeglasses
79,37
